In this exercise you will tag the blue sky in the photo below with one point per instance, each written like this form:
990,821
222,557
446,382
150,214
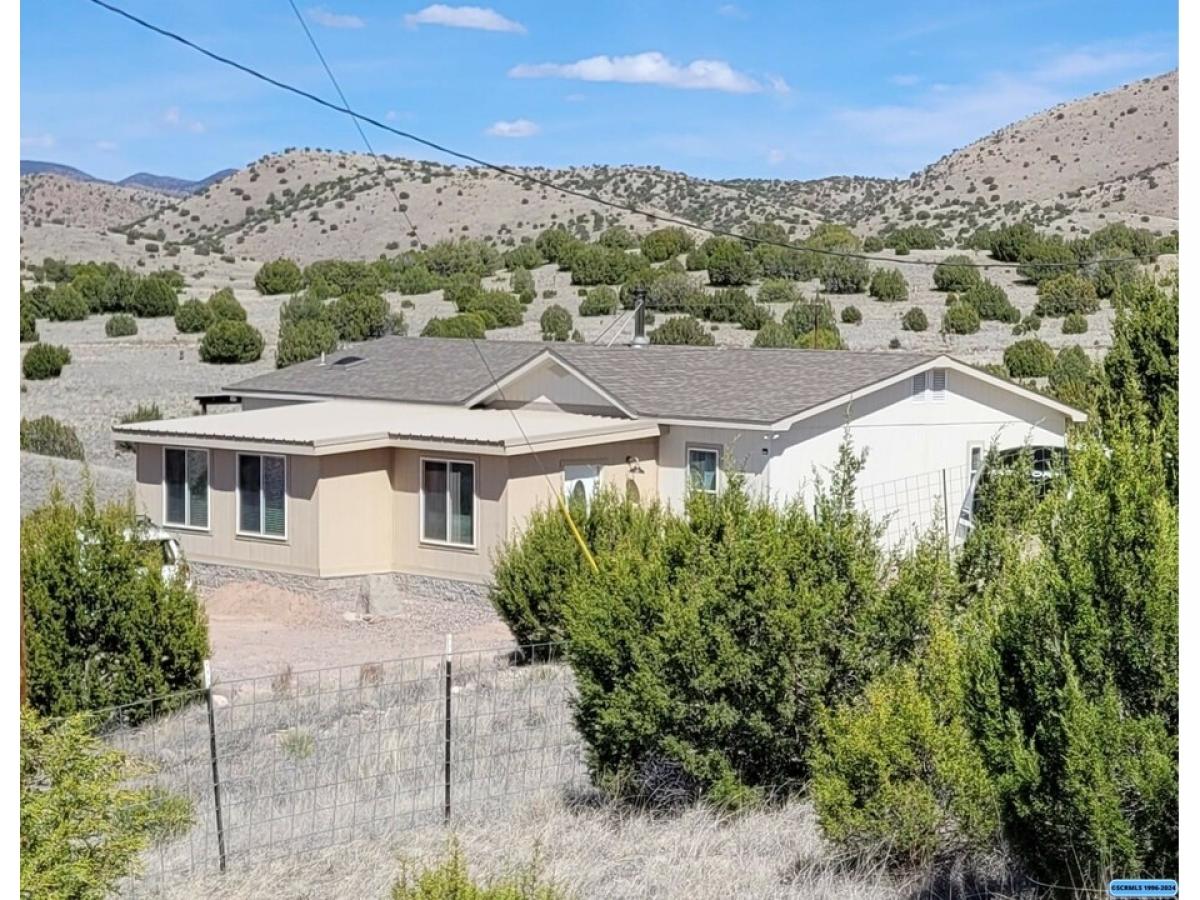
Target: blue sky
780,89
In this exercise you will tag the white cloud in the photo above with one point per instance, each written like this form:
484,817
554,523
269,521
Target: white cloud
106,146
328,19
478,17
653,68
1092,63
732,11
905,80
778,85
775,156
43,141
173,116
517,128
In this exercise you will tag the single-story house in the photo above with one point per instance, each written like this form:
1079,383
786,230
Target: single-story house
420,456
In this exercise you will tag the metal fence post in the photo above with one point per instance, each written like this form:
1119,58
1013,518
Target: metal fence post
212,755
946,511
449,694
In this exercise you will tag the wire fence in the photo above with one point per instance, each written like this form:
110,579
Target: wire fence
911,508
302,761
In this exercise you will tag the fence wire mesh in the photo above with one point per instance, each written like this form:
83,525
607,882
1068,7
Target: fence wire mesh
910,508
315,759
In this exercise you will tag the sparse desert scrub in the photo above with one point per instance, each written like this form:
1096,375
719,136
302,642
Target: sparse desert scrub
555,323
915,320
1029,358
47,436
888,285
229,341
42,361
120,325
281,276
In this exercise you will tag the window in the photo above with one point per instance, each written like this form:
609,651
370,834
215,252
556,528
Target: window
262,495
580,483
703,467
185,487
448,502
929,385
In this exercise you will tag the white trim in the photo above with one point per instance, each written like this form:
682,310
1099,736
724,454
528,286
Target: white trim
716,450
187,497
448,544
497,387
262,506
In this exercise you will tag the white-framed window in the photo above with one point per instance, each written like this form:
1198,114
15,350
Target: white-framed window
704,468
448,502
929,385
185,487
974,458
262,495
580,483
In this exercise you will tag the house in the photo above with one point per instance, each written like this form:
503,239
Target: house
418,457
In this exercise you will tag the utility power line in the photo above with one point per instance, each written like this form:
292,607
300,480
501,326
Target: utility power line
535,179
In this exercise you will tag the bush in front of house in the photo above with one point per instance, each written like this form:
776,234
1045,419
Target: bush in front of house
851,315
464,325
556,323
889,286
1074,323
961,318
66,304
121,325
231,342
193,316
955,273
223,304
46,436
682,330
600,301
154,296
303,339
88,585
915,320
42,361
1030,358
279,276
85,817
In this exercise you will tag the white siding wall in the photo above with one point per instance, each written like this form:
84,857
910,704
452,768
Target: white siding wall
903,438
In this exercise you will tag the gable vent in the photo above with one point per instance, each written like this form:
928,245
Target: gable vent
939,384
918,386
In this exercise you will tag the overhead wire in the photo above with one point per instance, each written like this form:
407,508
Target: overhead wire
562,504
345,109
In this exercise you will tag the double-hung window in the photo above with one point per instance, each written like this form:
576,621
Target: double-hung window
262,495
703,466
185,487
448,502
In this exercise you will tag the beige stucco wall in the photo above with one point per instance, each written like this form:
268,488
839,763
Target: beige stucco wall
220,542
360,513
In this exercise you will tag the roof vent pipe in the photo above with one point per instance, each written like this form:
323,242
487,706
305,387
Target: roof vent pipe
322,362
639,324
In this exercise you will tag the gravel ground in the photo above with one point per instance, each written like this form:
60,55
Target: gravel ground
40,473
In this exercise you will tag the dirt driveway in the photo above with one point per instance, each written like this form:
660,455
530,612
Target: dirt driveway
259,630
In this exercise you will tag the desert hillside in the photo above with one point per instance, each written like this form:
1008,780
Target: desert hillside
61,200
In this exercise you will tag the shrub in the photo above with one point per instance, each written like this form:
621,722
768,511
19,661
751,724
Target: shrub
1071,364
872,244
499,309
914,320
1028,324
991,302
522,285
29,330
554,243
675,292
1030,358
464,325
774,335
1066,294
961,318
526,256
894,344
820,339
600,301
617,238
461,289
666,243
154,297
450,880
593,264
361,315
889,286
682,330
728,263
44,361
66,304
224,305
1074,323
87,585
777,290
117,292
121,325
143,412
803,317
280,276
231,342
851,315
845,275
86,816
556,323
46,436
753,316
416,279
955,273
304,339
193,317
1012,243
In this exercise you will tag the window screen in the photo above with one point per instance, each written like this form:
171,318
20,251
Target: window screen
448,502
703,466
185,487
262,495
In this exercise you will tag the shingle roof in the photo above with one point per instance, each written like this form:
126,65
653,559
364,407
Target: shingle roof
712,383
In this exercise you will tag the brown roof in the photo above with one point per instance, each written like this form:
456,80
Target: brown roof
712,383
